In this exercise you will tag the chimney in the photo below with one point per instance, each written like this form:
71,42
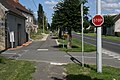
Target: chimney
16,0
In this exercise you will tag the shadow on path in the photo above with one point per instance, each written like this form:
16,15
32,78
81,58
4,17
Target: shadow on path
76,61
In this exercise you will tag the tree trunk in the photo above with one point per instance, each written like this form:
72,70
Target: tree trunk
60,33
69,38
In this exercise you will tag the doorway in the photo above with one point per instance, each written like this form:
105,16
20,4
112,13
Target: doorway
19,34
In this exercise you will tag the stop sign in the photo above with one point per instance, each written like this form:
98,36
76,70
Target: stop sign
98,20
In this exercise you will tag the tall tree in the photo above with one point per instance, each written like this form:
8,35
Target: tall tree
108,22
40,16
68,16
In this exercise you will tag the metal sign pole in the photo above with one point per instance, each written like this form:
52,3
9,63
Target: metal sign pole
99,41
82,36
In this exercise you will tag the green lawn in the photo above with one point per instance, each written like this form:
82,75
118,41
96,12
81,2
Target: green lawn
15,69
105,37
76,46
76,72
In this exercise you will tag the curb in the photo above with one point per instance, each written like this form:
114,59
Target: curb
57,42
45,37
23,45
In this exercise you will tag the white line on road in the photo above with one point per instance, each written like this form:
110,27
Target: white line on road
58,64
9,53
49,62
42,49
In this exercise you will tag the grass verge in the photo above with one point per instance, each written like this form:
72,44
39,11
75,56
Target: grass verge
36,36
15,69
76,46
76,72
105,37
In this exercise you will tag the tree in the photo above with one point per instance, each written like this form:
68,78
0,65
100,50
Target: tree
40,15
68,16
108,22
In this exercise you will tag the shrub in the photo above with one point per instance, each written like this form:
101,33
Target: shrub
117,34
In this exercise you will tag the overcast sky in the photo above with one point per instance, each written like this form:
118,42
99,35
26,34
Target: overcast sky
108,6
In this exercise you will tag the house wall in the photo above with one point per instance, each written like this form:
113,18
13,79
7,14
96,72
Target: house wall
117,26
110,31
2,27
29,23
16,24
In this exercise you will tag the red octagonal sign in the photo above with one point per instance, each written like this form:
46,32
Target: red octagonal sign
98,20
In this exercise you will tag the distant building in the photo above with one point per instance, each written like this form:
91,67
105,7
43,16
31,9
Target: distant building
117,23
14,17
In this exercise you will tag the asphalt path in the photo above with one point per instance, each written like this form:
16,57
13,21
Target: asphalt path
110,45
49,59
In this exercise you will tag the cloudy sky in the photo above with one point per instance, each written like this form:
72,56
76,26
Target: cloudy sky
108,6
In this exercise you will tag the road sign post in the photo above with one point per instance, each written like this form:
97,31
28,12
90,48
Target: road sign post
98,20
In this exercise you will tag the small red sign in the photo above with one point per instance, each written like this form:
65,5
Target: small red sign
98,20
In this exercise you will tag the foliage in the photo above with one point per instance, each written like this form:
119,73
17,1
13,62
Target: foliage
40,15
67,15
42,18
108,22
76,72
117,34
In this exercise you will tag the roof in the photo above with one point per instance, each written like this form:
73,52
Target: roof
14,7
18,6
117,17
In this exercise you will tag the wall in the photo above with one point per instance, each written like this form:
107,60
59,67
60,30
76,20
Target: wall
117,26
2,27
17,24
29,23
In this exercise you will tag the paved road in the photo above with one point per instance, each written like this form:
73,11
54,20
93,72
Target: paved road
48,59
110,45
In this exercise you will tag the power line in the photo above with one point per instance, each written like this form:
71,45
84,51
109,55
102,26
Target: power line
34,3
30,5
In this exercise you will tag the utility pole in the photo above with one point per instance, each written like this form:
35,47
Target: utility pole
43,22
99,40
82,35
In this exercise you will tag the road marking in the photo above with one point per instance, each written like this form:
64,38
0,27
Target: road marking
42,61
109,53
42,49
9,53
112,54
58,64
